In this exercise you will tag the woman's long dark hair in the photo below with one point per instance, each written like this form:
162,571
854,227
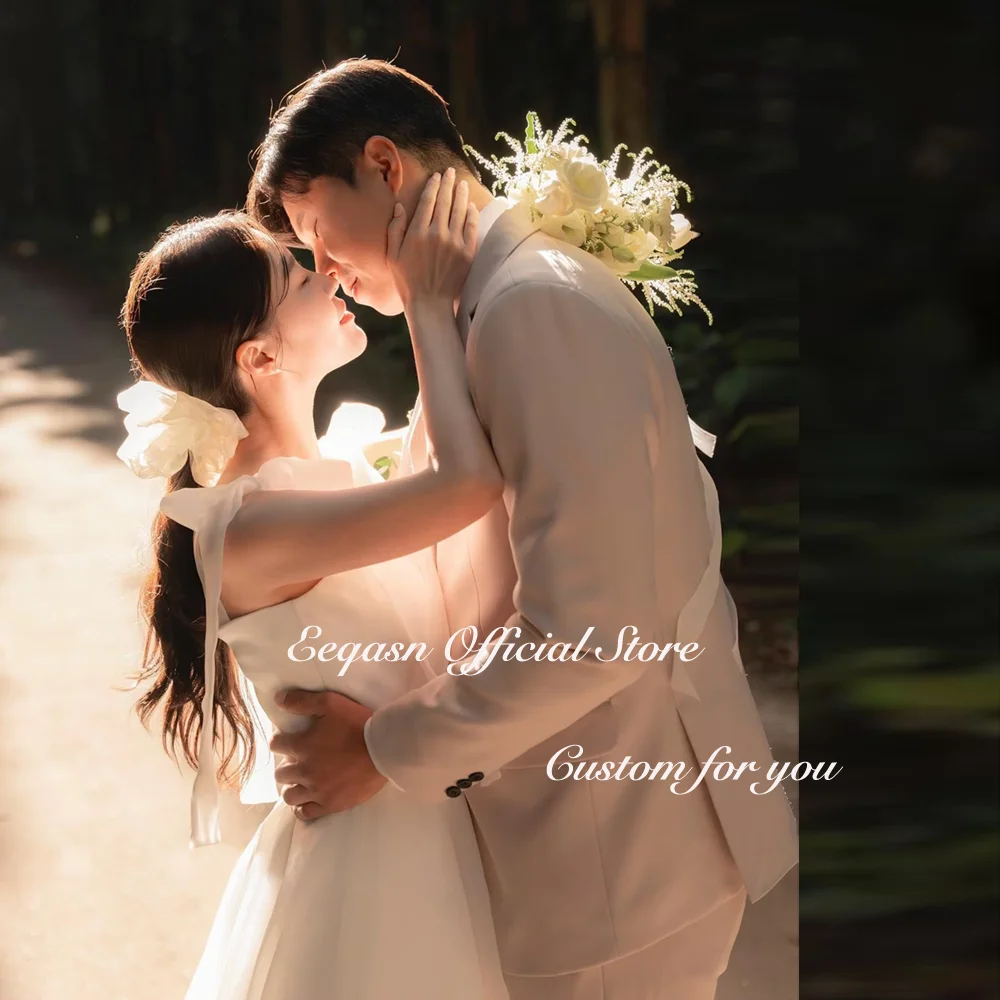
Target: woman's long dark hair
200,292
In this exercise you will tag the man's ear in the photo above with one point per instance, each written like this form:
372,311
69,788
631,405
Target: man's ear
258,357
383,155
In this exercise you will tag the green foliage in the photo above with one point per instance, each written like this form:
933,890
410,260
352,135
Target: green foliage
649,272
529,135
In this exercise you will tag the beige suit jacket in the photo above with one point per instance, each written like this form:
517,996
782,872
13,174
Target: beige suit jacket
608,520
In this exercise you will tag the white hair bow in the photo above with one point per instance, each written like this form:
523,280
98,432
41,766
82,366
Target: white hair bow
166,427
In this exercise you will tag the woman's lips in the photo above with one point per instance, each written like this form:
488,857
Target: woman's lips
347,317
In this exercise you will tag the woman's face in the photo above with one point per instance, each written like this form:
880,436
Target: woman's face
317,333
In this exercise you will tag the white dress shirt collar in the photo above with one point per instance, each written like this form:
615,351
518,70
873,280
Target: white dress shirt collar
488,215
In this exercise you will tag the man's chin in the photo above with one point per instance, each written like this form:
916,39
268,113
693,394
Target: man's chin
384,300
388,305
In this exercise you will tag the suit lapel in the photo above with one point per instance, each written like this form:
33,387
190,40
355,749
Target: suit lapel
504,237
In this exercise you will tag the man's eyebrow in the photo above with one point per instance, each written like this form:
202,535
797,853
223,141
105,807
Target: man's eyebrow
298,220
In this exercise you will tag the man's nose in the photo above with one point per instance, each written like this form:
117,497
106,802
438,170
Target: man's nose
325,264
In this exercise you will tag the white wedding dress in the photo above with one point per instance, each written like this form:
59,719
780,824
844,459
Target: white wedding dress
387,900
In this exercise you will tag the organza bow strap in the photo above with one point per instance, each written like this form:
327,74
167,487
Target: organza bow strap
166,427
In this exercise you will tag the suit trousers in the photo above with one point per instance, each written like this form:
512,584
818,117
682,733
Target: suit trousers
685,965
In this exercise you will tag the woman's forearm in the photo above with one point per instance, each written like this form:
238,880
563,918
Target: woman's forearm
459,442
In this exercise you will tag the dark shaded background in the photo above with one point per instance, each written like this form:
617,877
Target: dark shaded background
119,118
901,396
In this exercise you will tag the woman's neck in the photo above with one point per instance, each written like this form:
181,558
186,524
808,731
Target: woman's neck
281,426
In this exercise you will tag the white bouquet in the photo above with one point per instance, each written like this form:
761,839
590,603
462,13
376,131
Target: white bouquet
631,224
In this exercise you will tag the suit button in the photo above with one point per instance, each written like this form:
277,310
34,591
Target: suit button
453,791
476,776
463,783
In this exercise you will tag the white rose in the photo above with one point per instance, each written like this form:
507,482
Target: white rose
672,228
682,232
641,243
571,228
585,181
553,197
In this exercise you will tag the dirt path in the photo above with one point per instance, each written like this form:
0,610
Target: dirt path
100,897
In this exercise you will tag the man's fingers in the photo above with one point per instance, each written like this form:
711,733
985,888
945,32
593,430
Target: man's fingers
308,811
279,743
289,746
296,795
425,207
290,774
300,702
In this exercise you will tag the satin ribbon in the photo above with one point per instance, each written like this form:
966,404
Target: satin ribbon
188,507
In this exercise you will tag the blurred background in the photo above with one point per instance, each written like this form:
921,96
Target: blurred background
119,118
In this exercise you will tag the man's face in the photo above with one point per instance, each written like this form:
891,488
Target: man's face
346,226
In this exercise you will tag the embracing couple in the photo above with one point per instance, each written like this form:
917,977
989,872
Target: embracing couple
547,480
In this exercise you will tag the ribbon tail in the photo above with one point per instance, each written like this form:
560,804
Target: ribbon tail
703,440
205,829
209,543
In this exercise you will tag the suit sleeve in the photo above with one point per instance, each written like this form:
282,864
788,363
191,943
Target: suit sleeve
564,391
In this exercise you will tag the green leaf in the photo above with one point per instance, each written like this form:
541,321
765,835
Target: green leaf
620,253
530,145
383,466
651,272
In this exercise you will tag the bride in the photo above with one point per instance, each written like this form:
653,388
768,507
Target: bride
258,538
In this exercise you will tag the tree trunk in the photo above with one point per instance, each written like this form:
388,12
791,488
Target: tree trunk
296,60
465,95
620,46
336,33
420,41
632,90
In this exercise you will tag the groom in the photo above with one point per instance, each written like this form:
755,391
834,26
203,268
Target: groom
601,890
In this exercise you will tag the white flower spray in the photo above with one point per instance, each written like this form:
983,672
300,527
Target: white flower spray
631,224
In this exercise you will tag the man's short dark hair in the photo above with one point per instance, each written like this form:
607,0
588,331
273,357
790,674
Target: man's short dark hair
322,128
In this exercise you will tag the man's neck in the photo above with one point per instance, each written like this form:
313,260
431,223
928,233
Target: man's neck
479,195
